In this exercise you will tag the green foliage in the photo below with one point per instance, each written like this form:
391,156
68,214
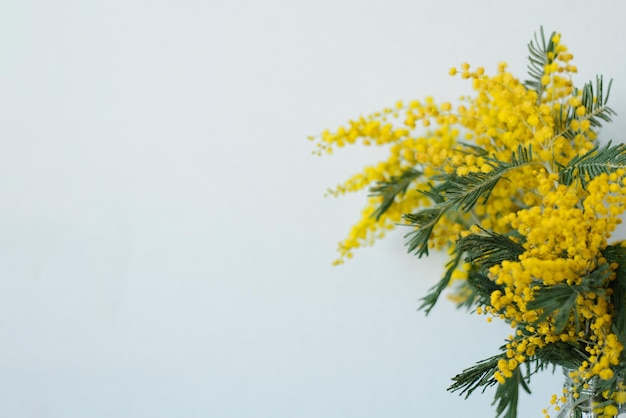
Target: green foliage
388,190
554,304
541,54
507,395
480,376
480,287
593,163
543,310
429,301
477,376
595,103
482,252
463,192
424,221
459,193
561,354
596,110
559,301
489,249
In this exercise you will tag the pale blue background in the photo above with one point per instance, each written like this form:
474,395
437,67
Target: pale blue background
165,245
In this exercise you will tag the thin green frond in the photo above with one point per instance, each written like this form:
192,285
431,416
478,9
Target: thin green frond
463,192
481,376
559,353
596,280
489,249
434,192
459,193
388,190
478,288
429,301
559,301
541,54
424,222
507,395
562,123
595,103
593,163
477,376
596,110
468,296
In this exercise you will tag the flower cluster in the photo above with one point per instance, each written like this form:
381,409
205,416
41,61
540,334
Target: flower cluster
501,115
562,239
512,181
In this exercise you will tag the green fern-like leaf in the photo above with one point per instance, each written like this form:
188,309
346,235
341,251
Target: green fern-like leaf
541,54
476,377
489,249
429,301
559,353
593,163
596,280
388,190
476,289
434,190
596,110
459,193
595,103
424,222
463,192
562,123
559,301
507,395
480,376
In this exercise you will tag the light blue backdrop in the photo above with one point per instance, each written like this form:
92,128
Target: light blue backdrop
165,245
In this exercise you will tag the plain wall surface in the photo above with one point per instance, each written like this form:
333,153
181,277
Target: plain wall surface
165,245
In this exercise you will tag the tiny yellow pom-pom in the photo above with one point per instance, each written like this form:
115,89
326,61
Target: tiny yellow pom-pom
610,411
606,374
620,397
498,376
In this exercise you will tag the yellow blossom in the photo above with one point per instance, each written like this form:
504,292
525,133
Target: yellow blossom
516,145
